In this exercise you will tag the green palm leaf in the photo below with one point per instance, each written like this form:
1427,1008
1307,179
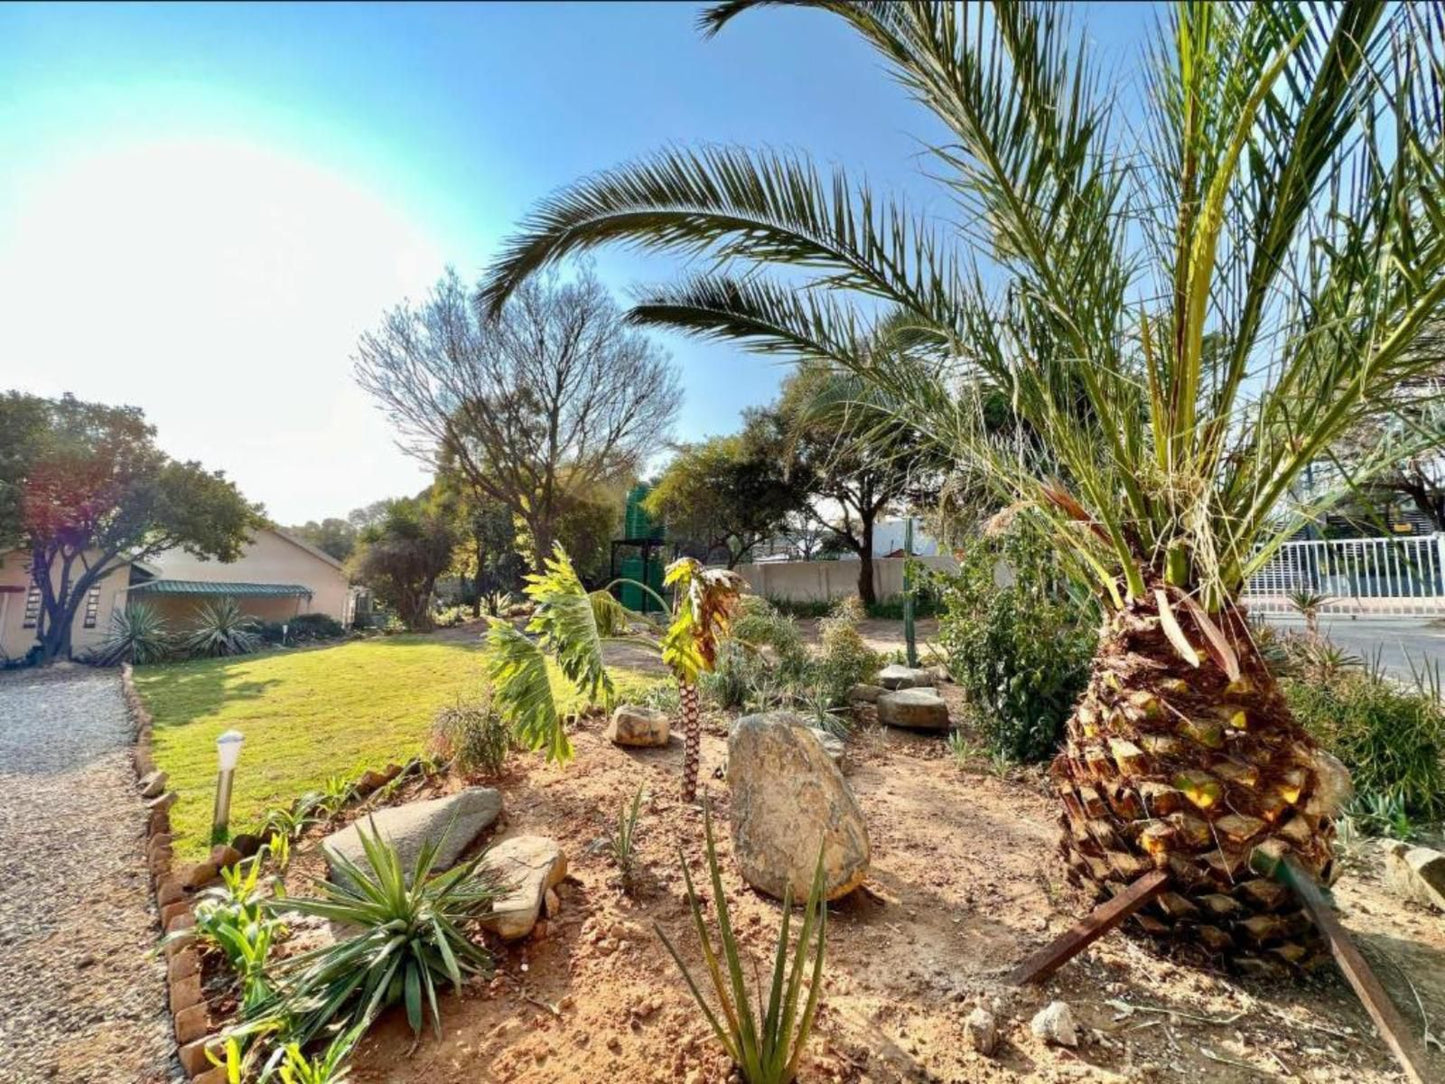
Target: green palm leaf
516,668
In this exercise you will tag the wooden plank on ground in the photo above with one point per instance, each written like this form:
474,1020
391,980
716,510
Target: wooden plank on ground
1084,933
1387,1018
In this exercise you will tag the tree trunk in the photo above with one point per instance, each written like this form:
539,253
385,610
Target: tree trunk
866,594
1173,767
477,582
692,738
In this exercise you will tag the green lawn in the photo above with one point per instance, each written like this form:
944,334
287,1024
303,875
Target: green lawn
306,715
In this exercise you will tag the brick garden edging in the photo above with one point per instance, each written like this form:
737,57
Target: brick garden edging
174,890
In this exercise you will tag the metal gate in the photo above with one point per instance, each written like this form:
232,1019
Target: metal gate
1362,576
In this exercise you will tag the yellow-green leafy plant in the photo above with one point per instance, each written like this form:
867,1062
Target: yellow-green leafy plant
766,1043
1175,304
622,839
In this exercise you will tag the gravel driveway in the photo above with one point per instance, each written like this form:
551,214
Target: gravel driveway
80,998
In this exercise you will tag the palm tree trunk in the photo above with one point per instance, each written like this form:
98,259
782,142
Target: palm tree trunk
692,738
1174,767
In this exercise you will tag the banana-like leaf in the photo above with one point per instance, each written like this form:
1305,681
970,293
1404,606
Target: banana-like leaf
566,623
516,668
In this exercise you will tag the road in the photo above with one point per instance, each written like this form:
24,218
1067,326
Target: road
1398,641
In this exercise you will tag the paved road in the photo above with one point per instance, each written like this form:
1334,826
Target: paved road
81,998
1399,641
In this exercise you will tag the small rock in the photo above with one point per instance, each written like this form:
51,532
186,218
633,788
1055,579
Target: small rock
153,785
636,726
551,903
897,676
981,1031
1415,873
246,843
455,820
528,866
1054,1023
915,709
866,693
224,856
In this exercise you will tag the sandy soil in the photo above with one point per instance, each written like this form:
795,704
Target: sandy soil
964,884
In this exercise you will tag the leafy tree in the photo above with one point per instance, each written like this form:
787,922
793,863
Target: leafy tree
730,493
486,538
400,558
859,460
335,537
85,491
535,408
1185,301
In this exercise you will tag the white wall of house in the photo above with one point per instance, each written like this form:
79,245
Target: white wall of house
18,607
823,581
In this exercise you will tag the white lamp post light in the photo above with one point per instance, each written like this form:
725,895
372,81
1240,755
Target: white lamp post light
228,751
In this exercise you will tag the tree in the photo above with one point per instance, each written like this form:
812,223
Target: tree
860,460
400,558
1182,322
549,399
85,492
334,537
730,493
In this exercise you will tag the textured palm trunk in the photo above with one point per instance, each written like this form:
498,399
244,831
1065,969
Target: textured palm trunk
692,738
1174,767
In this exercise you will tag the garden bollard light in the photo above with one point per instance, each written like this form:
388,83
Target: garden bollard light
228,748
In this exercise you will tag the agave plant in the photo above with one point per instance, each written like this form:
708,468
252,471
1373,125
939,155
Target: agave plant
1309,604
1181,303
409,940
138,634
220,628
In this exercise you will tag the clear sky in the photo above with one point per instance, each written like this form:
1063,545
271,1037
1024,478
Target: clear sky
202,207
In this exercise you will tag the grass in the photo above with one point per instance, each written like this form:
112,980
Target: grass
306,715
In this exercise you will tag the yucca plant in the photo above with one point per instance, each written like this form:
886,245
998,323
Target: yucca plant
766,1048
409,940
622,839
1179,304
1309,604
220,628
138,634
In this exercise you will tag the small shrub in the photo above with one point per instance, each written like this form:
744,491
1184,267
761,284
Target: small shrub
622,840
473,736
219,629
845,659
1020,650
232,917
1391,738
138,634
410,941
763,652
662,696
763,1044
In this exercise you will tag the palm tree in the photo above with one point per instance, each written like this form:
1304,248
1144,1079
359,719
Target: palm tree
572,624
1183,304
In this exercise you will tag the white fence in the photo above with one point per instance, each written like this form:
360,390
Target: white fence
823,581
1366,577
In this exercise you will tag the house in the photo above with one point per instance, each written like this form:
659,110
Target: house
276,578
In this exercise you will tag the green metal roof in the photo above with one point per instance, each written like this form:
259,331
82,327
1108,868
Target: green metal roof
206,587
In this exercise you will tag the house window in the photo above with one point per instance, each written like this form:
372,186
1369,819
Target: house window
92,606
32,606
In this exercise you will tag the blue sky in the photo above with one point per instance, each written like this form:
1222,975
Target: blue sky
204,206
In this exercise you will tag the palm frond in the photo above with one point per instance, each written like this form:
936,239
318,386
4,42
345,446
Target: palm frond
565,621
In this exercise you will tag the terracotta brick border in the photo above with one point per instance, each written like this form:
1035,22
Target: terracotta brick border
174,889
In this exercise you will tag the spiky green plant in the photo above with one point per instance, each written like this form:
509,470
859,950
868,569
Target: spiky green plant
409,939
1179,304
766,1048
1309,604
138,634
220,628
622,839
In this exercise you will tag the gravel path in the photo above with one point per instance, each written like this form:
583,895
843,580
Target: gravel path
80,998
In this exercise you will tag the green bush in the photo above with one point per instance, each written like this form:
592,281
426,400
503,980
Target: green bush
845,660
1019,650
764,652
473,736
138,634
1392,738
220,628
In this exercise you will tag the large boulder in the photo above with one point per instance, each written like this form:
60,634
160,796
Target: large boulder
637,726
526,868
454,820
898,676
788,798
916,709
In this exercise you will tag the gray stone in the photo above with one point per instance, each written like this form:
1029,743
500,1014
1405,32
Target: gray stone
455,820
897,676
1054,1023
866,693
788,799
833,745
153,785
1416,873
632,725
916,709
528,868
981,1031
